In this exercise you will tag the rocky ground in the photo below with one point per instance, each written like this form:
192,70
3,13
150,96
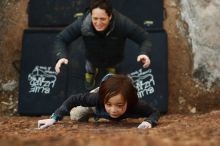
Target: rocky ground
192,118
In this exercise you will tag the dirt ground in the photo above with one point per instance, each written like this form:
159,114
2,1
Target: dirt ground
192,118
173,130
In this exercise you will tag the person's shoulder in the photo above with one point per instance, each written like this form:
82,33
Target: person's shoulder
116,14
120,18
93,96
142,103
82,16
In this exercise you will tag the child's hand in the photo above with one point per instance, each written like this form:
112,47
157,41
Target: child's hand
45,123
144,125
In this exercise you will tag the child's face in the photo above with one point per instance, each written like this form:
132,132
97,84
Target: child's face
116,106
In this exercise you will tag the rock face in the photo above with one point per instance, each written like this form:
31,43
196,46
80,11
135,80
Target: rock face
202,18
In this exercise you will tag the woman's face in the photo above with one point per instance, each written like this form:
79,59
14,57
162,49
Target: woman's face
116,106
100,19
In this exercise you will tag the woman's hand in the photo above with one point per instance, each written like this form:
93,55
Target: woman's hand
144,59
45,123
144,125
59,64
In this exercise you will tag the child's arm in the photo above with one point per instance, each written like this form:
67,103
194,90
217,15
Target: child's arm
153,117
86,99
150,113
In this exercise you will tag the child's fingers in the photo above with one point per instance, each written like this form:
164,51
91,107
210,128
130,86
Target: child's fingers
43,126
40,123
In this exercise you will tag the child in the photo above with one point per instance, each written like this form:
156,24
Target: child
116,99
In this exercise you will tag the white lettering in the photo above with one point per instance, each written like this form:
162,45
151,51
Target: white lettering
143,81
41,80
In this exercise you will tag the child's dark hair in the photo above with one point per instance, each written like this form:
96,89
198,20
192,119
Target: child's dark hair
118,84
102,4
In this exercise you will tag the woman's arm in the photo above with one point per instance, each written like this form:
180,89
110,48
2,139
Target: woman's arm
65,37
138,35
134,32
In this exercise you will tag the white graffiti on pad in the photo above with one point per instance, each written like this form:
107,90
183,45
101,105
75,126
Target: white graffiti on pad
41,80
143,81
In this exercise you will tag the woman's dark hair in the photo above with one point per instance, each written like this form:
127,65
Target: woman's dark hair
118,84
102,4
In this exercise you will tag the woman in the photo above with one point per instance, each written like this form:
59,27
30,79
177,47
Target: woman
104,32
116,99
